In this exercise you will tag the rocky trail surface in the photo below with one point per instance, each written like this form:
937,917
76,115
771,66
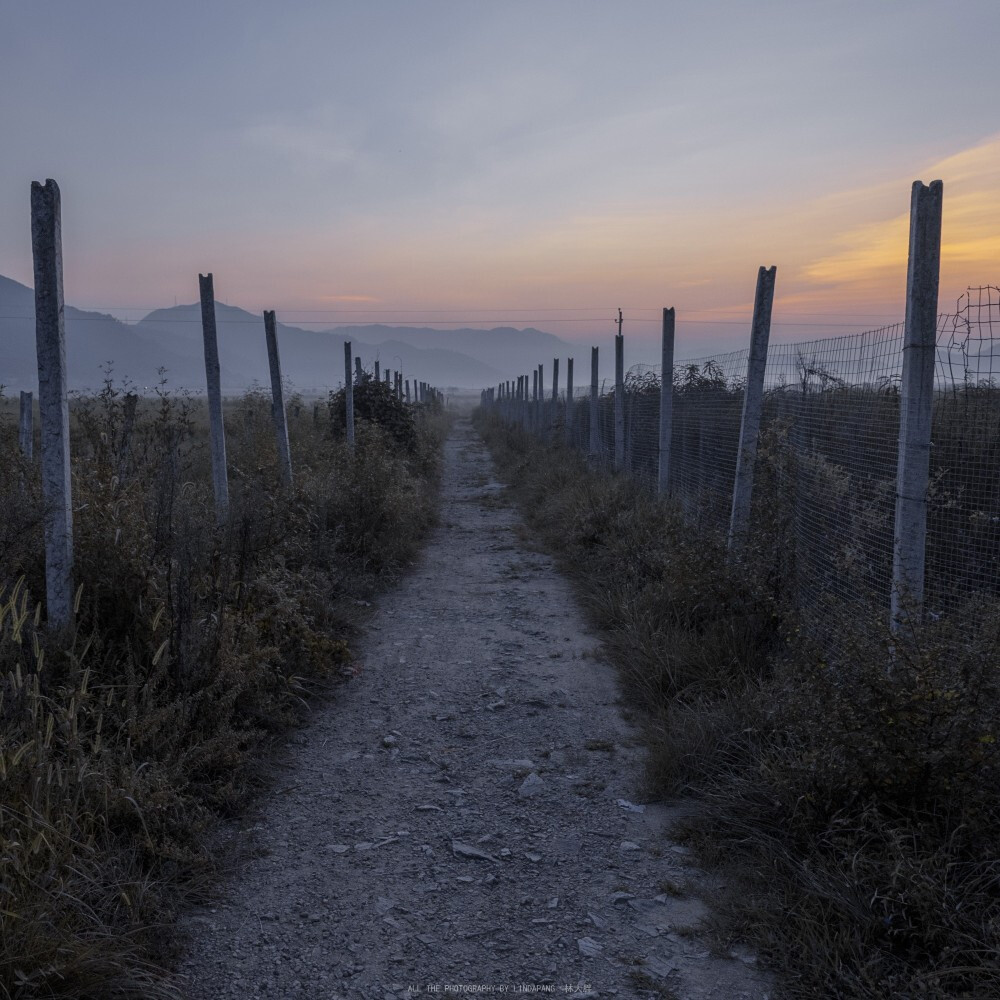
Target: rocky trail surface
465,816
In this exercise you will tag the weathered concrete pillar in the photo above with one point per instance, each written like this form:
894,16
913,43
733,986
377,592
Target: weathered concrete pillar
278,399
555,382
217,430
666,400
916,405
26,428
377,370
595,436
569,400
753,403
348,395
619,402
358,371
407,390
53,401
540,401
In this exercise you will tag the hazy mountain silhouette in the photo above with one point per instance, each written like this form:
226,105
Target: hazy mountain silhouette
312,360
506,349
92,340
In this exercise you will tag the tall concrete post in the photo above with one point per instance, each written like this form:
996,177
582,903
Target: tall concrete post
53,401
26,429
555,382
407,390
348,395
595,436
619,402
217,431
753,403
916,405
540,401
569,401
278,399
666,400
358,371
378,376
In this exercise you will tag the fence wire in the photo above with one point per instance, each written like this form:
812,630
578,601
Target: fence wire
825,476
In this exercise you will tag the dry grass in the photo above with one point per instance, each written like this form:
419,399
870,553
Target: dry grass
848,790
124,738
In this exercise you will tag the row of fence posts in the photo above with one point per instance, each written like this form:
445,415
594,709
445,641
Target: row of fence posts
53,399
511,400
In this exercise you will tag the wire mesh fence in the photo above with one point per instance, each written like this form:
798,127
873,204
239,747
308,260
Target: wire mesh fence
825,475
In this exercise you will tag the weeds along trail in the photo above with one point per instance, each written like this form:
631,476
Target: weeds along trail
125,738
848,780
469,811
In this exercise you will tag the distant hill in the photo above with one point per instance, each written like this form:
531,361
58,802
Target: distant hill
92,340
312,360
504,348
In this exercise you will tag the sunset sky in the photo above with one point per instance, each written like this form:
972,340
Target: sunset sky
535,163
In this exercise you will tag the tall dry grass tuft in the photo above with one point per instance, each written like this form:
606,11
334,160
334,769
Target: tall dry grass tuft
847,778
124,738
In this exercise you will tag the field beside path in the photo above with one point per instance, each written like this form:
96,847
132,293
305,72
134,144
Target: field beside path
127,737
469,812
842,785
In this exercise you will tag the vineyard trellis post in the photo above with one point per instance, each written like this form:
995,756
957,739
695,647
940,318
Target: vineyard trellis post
278,398
26,429
53,399
359,373
217,431
753,403
666,400
540,400
407,390
595,440
619,398
349,394
378,375
916,404
555,391
569,401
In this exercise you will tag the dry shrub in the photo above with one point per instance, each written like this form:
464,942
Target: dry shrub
126,736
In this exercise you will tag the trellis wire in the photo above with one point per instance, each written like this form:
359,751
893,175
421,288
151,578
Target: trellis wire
826,469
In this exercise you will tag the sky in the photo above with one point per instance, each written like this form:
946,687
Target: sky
540,163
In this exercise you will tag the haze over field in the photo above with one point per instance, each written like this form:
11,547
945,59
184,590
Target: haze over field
461,165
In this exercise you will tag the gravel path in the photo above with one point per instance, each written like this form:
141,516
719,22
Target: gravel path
465,814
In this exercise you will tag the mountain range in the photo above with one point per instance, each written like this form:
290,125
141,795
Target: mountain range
312,361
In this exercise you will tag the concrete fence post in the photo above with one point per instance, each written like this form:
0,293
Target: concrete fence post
595,435
540,401
278,398
129,408
378,376
569,401
619,402
916,405
359,373
348,395
53,400
666,400
26,428
753,403
407,390
217,429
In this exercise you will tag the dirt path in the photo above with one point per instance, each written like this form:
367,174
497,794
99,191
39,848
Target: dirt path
454,820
